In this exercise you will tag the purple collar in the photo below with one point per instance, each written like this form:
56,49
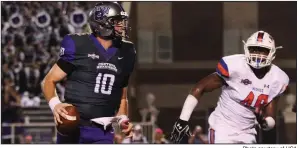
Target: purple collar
106,53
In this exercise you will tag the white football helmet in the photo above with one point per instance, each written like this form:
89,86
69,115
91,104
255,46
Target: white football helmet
260,39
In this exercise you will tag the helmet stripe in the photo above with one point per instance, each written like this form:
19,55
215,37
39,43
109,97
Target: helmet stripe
260,36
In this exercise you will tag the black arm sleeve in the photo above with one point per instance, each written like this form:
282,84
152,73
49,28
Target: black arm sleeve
128,74
130,63
67,67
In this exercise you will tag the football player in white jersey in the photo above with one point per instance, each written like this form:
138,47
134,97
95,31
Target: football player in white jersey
251,85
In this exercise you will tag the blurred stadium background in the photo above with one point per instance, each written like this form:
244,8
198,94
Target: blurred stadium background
178,43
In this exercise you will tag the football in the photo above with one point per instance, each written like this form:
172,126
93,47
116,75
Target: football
69,125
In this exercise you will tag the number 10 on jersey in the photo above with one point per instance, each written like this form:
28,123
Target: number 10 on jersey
101,83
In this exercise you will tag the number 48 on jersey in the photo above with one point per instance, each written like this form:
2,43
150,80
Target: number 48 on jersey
261,99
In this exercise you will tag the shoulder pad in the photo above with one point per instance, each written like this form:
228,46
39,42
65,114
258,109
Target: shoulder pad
280,80
227,66
234,58
280,75
126,41
80,39
79,34
129,46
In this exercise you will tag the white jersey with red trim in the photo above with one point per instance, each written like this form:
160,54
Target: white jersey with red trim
244,92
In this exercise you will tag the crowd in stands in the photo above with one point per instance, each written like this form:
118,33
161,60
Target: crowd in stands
31,34
30,40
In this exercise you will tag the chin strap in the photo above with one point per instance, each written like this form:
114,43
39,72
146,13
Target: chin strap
279,47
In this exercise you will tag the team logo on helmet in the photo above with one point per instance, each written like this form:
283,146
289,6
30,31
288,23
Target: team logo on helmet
101,12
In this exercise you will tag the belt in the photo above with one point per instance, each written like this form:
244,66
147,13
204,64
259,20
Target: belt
93,124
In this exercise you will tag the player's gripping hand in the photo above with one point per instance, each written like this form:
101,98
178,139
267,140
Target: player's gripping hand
266,123
127,130
125,125
259,114
59,110
181,132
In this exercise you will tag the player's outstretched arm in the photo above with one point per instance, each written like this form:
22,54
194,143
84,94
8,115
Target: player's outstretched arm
124,123
181,128
122,114
207,84
48,86
123,107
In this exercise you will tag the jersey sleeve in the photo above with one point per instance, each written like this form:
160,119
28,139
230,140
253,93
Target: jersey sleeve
67,55
129,65
67,50
280,86
222,69
283,84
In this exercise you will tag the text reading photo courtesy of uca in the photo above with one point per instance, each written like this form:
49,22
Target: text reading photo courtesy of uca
280,146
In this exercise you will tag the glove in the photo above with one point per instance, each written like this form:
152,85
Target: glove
181,132
260,118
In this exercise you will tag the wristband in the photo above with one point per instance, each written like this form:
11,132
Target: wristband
269,123
188,107
122,118
53,102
